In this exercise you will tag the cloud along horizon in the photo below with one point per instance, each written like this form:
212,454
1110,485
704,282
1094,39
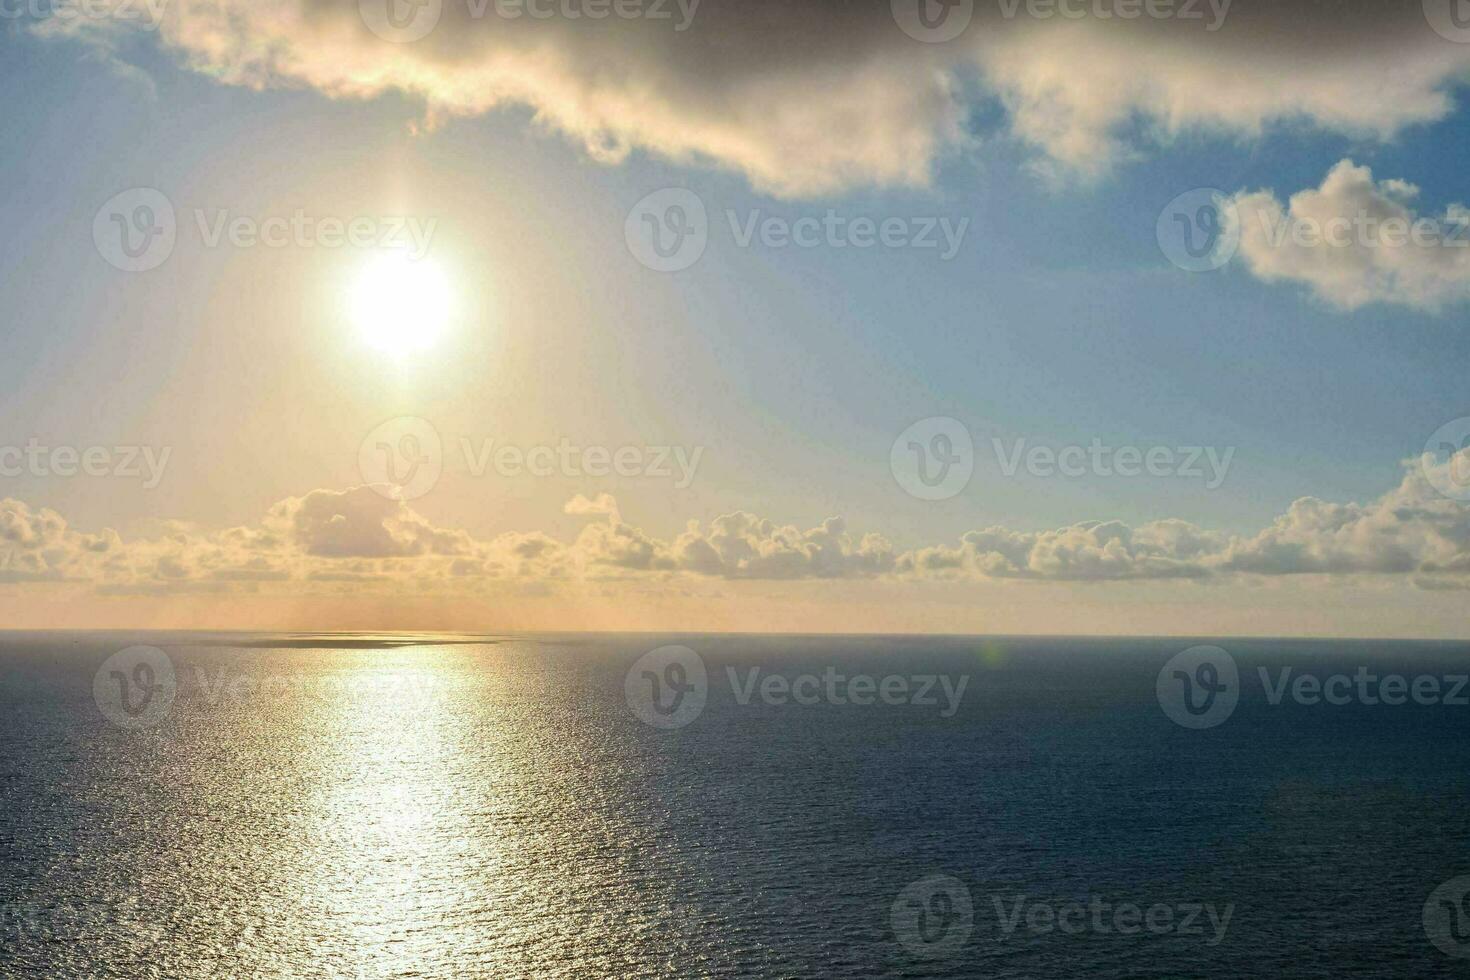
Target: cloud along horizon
362,536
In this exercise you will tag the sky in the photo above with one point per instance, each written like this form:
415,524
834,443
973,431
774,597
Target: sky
989,318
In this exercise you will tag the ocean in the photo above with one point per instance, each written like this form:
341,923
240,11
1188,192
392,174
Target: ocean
268,805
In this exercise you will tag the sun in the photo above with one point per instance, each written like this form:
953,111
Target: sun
400,305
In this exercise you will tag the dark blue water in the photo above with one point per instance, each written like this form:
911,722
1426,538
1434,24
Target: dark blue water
322,807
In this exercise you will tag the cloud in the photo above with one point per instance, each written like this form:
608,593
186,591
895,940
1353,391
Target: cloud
1354,241
816,98
1412,530
36,544
1090,551
579,505
356,538
1091,92
763,88
741,545
736,546
361,523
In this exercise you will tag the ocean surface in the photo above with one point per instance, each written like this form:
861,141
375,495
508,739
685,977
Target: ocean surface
233,805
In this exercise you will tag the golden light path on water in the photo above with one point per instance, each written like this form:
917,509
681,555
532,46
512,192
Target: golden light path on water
435,810
403,855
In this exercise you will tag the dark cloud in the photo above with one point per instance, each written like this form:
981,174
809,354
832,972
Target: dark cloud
814,98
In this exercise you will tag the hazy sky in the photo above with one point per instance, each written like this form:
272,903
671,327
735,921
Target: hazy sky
204,291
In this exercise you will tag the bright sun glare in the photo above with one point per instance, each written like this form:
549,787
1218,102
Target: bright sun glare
400,305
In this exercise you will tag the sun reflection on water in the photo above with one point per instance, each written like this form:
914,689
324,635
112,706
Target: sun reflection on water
393,827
